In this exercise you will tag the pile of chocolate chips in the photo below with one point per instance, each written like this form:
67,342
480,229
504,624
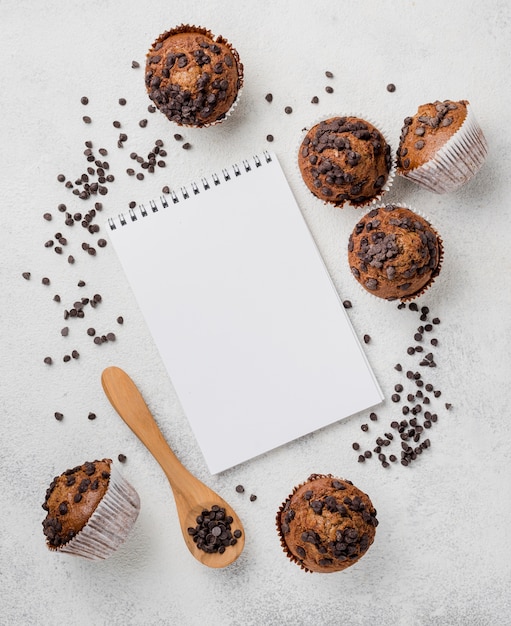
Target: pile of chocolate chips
213,530
417,413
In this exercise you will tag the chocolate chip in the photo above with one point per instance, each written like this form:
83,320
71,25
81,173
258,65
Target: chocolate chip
26,275
186,146
269,138
59,416
240,488
367,338
347,304
329,89
84,100
373,417
288,110
315,100
391,87
91,416
86,119
121,458
364,427
48,360
268,97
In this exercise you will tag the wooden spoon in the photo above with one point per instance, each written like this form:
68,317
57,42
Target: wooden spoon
190,494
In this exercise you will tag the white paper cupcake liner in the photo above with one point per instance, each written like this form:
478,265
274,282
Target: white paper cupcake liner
390,177
191,27
421,291
110,523
456,162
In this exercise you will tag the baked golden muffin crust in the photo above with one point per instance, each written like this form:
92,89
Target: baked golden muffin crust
394,253
345,159
192,76
72,498
326,524
427,131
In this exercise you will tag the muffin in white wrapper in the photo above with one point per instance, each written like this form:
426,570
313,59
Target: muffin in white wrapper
193,77
346,160
394,253
91,510
441,148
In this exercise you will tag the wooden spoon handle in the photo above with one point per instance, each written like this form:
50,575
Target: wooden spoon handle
129,403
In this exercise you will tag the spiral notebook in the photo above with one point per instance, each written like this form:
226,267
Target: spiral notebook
251,330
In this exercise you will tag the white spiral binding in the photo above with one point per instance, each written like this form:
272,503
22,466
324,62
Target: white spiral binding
227,174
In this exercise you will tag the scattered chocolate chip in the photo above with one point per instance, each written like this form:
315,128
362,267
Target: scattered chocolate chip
329,74
45,281
269,138
268,97
59,416
367,338
329,89
121,458
26,275
91,416
364,427
373,417
288,110
48,360
355,445
84,100
86,119
186,146
252,498
315,100
391,87
240,488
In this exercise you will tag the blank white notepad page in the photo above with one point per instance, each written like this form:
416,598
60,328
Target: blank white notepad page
240,305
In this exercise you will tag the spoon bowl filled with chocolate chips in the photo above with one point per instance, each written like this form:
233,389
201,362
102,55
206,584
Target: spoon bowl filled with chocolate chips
211,529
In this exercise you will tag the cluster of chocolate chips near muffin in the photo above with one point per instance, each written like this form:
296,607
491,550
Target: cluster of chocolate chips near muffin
345,159
213,531
193,77
326,524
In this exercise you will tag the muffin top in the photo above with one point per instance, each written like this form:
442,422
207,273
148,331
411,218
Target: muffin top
326,524
427,131
345,159
192,76
394,253
72,498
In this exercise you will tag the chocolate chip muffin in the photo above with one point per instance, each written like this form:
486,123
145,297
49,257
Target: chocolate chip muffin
326,524
441,147
394,253
345,160
90,510
192,76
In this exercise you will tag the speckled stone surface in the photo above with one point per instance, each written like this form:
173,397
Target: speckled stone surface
442,553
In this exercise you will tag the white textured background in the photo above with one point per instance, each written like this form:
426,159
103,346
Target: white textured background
443,551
